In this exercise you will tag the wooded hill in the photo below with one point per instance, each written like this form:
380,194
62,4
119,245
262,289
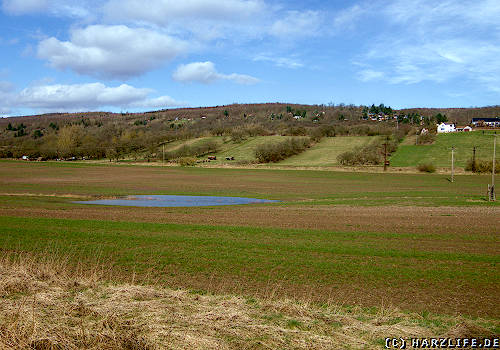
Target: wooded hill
101,134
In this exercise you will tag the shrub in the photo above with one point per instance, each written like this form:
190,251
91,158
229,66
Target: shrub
238,136
427,167
482,166
296,131
425,139
366,155
371,154
276,151
186,161
194,150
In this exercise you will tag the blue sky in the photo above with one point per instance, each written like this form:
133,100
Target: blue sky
134,55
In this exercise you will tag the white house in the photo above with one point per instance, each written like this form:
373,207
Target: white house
443,127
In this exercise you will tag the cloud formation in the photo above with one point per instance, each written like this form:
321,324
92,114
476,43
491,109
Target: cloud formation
297,24
111,52
60,8
6,93
369,74
205,72
285,62
89,96
21,7
163,12
424,40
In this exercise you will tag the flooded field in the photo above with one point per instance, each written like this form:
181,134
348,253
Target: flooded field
176,201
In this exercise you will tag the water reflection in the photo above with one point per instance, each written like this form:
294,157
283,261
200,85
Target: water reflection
176,201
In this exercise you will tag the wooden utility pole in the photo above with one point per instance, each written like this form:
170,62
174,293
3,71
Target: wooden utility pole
492,190
163,152
452,162
474,159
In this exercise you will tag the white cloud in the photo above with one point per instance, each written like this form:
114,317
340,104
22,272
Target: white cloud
61,8
89,96
347,18
157,102
6,94
202,22
424,40
297,25
286,62
20,7
208,20
111,51
205,72
446,14
162,12
368,74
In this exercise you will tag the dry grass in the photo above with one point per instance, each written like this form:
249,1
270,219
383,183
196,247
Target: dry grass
49,305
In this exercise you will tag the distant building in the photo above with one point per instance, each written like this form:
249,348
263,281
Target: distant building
464,128
492,122
443,128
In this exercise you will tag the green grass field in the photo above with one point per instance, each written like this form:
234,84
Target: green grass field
172,146
325,152
322,154
242,151
439,153
245,150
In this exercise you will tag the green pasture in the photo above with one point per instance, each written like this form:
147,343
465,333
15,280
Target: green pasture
439,153
175,145
244,150
325,152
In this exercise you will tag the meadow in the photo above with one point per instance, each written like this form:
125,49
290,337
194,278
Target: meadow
439,152
325,152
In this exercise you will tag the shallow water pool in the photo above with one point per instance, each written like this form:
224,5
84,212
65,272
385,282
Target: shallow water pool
176,201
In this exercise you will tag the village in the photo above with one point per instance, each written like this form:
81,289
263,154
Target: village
475,123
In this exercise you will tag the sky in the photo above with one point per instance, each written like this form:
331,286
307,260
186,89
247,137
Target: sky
135,55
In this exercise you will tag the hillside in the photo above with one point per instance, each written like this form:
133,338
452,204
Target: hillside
235,129
243,151
439,153
325,152
322,153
